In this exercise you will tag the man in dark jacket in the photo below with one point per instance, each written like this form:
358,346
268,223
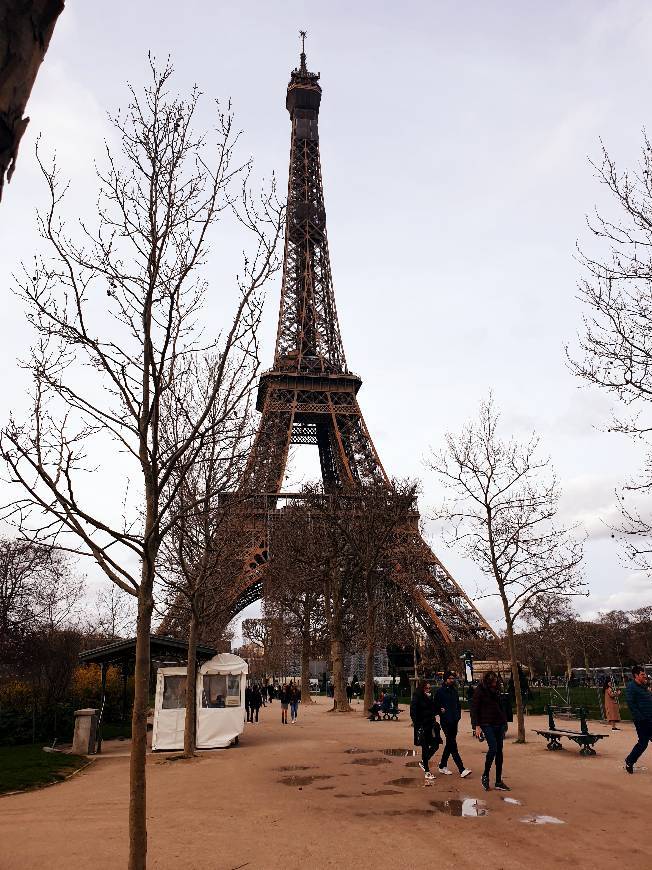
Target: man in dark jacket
256,701
248,692
639,701
447,704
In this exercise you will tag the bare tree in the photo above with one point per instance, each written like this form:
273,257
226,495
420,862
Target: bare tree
105,371
26,27
501,513
293,593
617,336
374,527
38,589
203,555
548,617
115,616
268,635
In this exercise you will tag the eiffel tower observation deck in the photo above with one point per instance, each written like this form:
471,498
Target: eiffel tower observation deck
309,396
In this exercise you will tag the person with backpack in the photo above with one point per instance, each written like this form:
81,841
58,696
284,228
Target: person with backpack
447,704
426,730
491,722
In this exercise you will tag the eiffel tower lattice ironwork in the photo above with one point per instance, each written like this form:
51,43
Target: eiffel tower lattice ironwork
310,396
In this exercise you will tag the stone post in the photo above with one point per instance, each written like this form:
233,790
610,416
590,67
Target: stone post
83,742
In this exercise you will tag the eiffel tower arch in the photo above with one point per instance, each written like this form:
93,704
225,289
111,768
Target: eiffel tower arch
309,396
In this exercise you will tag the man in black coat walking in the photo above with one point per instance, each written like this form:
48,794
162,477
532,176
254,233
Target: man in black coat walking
447,704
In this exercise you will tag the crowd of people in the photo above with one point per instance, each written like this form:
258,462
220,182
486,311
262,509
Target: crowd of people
437,712
257,696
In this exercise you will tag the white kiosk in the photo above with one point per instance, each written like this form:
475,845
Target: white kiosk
220,704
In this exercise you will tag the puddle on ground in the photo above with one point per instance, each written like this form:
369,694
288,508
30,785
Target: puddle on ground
401,753
291,767
381,791
370,762
356,751
513,801
466,807
405,780
324,787
542,820
303,780
344,795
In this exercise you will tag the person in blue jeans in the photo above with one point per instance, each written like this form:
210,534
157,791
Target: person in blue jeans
294,702
639,701
490,719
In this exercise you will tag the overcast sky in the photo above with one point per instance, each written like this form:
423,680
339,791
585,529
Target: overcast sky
455,144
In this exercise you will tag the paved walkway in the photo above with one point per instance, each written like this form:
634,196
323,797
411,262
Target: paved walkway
293,796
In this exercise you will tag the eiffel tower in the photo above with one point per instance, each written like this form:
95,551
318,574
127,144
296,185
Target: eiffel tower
310,396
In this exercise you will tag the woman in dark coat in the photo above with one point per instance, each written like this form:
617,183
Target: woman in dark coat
488,714
422,713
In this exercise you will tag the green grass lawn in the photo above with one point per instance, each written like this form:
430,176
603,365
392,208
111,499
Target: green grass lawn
29,766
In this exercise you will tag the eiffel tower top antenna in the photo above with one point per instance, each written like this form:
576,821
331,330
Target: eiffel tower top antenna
302,35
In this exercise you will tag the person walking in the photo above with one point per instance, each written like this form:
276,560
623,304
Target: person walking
256,701
611,706
447,704
293,697
248,692
491,722
270,693
639,701
422,714
285,700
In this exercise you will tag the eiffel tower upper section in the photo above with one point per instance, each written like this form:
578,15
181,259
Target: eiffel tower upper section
308,337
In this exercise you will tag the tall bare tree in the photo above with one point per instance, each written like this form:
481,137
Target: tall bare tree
116,314
26,27
203,555
293,590
501,512
374,526
616,343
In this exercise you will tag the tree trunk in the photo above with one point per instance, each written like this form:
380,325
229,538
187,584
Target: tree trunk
569,663
305,662
190,723
27,27
340,701
369,662
138,757
516,679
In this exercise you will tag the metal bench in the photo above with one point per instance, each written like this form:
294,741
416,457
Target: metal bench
376,714
584,739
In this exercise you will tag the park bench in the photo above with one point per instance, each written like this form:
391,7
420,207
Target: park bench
553,734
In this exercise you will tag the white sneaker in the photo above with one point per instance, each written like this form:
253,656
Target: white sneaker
445,771
430,775
465,772
421,766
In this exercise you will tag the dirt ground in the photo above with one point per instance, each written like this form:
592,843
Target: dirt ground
296,796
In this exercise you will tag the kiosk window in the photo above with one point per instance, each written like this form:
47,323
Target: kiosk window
174,693
233,690
214,690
